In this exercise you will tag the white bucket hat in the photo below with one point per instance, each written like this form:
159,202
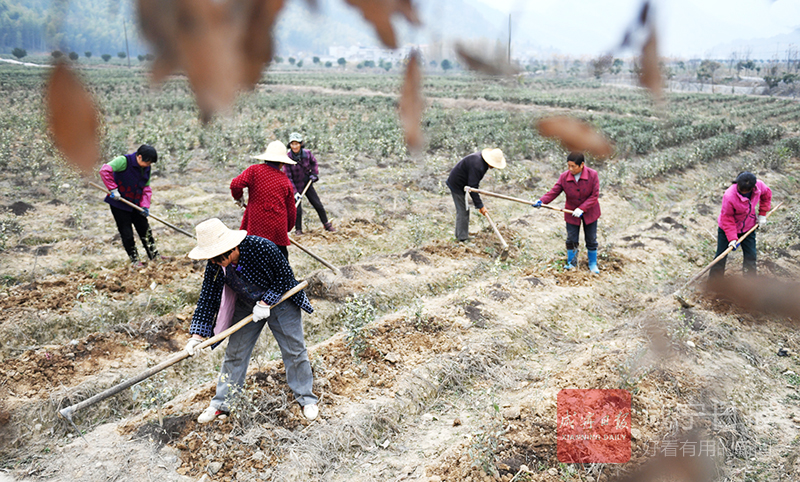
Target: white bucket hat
494,157
214,238
276,152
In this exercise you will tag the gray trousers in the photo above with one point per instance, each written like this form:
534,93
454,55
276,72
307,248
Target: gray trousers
286,325
462,215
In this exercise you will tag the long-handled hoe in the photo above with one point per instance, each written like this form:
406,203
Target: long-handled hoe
306,250
134,206
679,295
504,253
67,412
515,199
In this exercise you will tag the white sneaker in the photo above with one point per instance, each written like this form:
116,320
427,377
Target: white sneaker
210,414
311,411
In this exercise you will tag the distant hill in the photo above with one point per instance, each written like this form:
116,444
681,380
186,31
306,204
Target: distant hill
760,48
338,24
97,25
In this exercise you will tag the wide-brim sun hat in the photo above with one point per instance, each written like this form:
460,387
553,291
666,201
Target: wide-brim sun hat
276,152
214,238
494,157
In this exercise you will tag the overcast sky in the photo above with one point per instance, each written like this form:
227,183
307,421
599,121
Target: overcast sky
686,27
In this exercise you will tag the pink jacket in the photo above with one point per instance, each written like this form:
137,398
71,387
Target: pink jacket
582,194
739,213
107,175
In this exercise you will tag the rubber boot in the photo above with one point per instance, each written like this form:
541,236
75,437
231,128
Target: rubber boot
593,261
571,254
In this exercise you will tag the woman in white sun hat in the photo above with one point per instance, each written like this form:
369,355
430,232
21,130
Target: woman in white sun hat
246,274
270,211
468,172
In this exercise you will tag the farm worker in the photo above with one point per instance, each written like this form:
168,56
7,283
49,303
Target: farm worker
744,204
304,170
468,172
248,274
582,187
128,177
270,211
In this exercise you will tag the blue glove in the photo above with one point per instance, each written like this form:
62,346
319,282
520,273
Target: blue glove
313,178
145,212
537,204
114,194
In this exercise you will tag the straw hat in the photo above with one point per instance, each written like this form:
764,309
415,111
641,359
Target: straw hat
494,157
276,152
214,238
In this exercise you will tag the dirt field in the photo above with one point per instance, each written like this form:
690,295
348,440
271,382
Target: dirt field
463,356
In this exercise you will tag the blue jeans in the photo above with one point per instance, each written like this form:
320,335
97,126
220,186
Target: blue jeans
589,235
287,327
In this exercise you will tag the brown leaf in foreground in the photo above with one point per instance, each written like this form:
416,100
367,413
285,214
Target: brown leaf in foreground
495,66
221,46
575,135
412,104
379,14
650,74
72,119
759,294
678,467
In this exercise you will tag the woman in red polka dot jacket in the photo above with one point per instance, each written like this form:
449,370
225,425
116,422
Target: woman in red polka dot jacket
270,211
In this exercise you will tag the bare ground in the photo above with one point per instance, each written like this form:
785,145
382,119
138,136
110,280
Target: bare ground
462,366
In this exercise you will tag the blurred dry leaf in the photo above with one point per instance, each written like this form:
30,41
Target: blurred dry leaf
575,136
643,13
222,47
650,73
679,467
379,14
72,119
759,294
490,66
412,103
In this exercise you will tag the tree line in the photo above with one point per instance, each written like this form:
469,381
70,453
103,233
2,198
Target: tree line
75,26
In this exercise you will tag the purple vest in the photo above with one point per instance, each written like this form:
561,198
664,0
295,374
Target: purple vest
131,183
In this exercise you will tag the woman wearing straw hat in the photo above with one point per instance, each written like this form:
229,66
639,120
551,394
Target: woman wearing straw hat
303,171
270,211
468,172
247,274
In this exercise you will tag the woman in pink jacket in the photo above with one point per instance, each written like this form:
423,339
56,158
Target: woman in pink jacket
744,205
582,187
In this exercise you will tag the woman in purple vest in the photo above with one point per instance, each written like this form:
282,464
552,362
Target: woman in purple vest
128,177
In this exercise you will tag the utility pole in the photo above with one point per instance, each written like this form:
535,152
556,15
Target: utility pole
509,38
127,50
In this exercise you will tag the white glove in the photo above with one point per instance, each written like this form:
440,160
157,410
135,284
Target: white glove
734,244
577,212
762,221
191,344
297,196
260,312
114,194
240,202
